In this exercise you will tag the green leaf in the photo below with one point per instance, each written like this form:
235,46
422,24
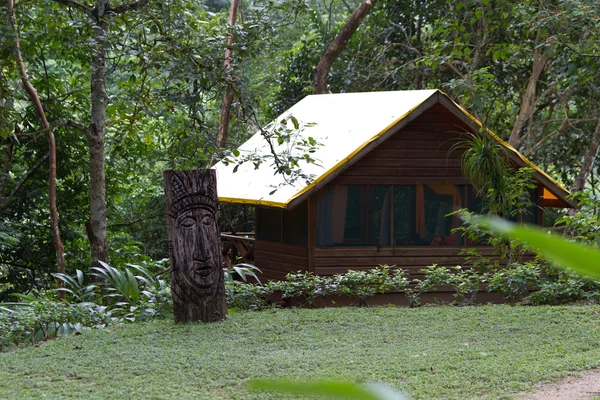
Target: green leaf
583,259
295,122
339,390
235,152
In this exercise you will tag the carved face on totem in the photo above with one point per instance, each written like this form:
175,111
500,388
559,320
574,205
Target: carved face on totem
195,232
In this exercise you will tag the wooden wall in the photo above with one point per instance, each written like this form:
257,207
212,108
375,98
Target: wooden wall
335,260
276,260
418,153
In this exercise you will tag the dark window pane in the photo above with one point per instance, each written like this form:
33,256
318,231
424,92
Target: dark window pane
381,220
474,203
433,226
268,224
352,220
295,225
404,215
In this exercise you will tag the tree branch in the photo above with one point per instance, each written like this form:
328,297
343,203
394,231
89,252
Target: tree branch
338,44
123,8
80,127
35,99
135,221
70,3
27,175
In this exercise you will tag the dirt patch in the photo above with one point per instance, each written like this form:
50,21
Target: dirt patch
586,386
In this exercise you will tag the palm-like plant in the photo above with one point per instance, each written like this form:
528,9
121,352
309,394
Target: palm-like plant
76,287
484,162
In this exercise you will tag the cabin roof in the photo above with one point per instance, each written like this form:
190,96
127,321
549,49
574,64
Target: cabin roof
347,126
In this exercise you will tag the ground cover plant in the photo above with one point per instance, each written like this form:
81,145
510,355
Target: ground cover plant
427,352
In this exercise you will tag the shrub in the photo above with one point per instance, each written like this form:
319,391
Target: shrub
514,283
359,285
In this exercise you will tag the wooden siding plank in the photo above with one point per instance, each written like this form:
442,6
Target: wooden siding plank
403,172
407,251
399,180
279,248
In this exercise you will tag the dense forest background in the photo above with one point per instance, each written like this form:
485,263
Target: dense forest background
132,89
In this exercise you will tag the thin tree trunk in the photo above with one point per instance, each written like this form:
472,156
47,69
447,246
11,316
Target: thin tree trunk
96,224
588,162
8,158
228,97
338,45
32,93
540,59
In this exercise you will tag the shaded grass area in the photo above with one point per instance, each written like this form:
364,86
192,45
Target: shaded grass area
435,352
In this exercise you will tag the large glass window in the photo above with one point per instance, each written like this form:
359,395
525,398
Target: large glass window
379,215
354,215
410,215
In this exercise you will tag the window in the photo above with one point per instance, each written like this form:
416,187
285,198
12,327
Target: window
357,215
268,224
295,225
382,215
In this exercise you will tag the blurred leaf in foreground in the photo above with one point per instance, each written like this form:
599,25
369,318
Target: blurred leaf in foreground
581,258
337,390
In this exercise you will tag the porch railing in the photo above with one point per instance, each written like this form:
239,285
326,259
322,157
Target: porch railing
237,247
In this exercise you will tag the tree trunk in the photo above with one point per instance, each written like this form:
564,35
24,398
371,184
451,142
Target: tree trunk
336,47
96,224
197,279
228,96
32,93
8,158
540,59
588,162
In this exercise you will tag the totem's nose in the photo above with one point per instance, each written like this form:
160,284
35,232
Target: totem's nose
201,252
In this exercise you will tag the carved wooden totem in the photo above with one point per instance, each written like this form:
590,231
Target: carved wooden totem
197,284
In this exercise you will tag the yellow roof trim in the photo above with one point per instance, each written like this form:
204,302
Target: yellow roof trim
265,203
508,146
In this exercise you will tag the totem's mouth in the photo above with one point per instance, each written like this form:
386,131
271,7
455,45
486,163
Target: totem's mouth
202,267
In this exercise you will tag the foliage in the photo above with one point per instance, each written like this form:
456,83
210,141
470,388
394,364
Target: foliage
118,297
580,258
306,287
287,149
584,224
465,282
516,282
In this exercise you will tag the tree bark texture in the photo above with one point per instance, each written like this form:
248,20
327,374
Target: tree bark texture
541,55
35,99
228,96
338,45
588,162
197,279
96,224
8,159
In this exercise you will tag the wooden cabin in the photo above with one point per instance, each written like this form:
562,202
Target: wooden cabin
387,174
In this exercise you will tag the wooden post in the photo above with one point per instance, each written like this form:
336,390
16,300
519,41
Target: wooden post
197,281
312,232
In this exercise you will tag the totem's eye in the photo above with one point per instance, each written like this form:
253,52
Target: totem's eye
207,220
188,222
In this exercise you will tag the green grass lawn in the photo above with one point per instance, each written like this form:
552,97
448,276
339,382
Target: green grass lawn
433,352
